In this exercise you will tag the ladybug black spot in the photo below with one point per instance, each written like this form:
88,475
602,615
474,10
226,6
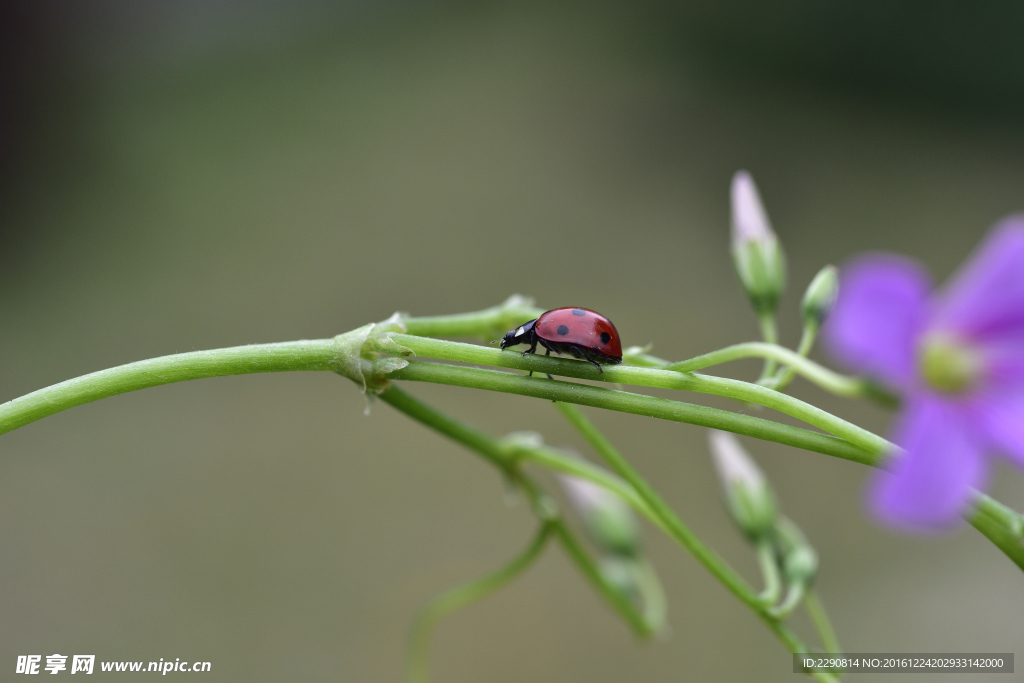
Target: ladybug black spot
562,330
605,337
578,311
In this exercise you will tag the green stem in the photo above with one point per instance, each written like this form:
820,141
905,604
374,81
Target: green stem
455,599
770,571
487,324
323,354
610,399
496,451
676,528
718,568
1001,525
841,385
822,624
745,392
794,595
589,568
786,374
770,333
320,354
557,462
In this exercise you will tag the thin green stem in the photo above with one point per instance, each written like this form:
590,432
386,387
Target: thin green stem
770,333
483,444
557,462
589,568
841,385
794,595
785,375
623,401
1001,525
770,571
487,324
822,624
718,568
456,598
676,528
638,356
496,451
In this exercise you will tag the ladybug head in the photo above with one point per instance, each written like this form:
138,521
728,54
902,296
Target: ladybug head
520,335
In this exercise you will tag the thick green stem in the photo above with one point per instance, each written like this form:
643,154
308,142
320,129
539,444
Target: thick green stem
455,599
639,376
324,354
319,354
638,404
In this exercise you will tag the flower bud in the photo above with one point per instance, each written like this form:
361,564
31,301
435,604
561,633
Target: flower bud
607,518
759,260
798,559
620,573
820,296
635,579
748,496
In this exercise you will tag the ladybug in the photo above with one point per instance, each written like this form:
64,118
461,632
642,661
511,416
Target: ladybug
580,332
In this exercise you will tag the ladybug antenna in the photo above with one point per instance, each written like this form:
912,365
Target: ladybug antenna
495,342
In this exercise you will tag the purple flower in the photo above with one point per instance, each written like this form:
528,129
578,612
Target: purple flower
957,357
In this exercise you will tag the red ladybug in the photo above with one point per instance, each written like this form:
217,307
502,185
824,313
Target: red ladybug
577,331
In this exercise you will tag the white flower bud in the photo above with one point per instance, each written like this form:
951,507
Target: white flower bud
756,252
607,518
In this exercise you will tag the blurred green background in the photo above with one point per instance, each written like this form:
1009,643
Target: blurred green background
203,174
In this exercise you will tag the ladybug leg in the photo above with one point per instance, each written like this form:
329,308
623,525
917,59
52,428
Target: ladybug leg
591,360
548,353
532,349
549,347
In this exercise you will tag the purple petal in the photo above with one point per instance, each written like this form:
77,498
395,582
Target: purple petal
930,483
1002,419
878,316
986,297
1004,361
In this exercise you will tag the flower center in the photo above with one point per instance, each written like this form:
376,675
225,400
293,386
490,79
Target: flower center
949,364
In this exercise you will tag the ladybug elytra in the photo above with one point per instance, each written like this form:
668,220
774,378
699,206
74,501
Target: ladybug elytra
579,332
